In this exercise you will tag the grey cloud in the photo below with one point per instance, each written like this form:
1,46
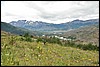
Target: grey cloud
53,17
85,10
88,8
43,13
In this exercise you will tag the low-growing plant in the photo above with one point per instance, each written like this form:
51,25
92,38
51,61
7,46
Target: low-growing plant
12,40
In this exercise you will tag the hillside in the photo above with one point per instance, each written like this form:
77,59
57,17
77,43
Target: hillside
44,26
23,53
87,34
15,30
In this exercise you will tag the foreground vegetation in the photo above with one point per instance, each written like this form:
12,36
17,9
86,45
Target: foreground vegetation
21,51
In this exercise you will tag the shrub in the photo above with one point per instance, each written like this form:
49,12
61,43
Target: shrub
27,37
39,40
12,40
90,47
81,46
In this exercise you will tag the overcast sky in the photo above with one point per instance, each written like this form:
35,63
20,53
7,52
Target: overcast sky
49,11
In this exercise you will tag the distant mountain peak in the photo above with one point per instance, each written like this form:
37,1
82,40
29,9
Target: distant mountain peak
77,21
44,26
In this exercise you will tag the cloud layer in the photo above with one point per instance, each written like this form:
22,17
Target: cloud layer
49,11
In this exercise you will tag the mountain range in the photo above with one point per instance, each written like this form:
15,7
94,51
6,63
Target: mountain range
44,26
40,27
15,30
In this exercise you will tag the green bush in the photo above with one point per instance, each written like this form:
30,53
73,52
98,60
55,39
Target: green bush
39,40
27,37
49,40
54,40
81,46
90,47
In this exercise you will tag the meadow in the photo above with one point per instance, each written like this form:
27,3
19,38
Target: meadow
24,53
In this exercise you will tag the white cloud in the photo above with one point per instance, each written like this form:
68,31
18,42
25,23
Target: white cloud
49,11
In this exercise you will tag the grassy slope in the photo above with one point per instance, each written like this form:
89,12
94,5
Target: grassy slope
15,30
29,53
88,34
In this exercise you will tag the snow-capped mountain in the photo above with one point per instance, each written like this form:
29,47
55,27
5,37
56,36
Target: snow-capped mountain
43,26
